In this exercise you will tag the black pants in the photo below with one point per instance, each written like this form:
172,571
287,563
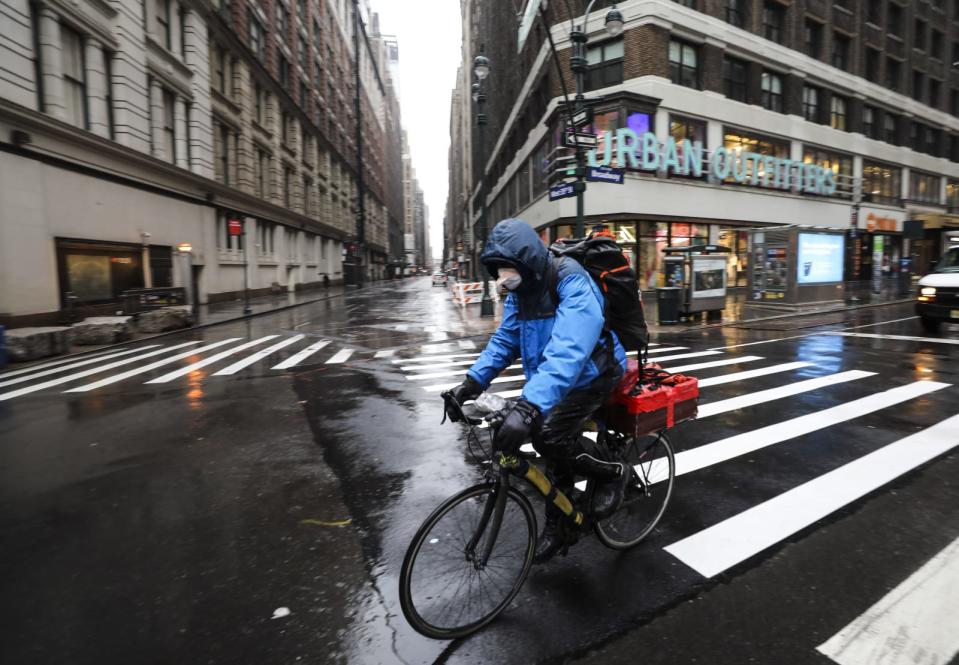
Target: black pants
561,438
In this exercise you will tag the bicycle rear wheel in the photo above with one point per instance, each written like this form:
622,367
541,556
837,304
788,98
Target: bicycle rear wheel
648,493
443,593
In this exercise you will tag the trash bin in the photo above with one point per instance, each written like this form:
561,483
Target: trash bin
667,304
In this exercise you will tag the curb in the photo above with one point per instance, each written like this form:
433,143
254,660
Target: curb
791,315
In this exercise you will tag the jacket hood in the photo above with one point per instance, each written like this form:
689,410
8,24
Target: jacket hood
514,242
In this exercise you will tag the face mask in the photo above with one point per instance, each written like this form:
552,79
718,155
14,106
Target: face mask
508,279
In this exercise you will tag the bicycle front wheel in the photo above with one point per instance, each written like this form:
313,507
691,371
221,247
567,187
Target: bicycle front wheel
444,592
647,495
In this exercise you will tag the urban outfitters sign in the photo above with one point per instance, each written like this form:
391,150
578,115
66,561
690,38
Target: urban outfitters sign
687,157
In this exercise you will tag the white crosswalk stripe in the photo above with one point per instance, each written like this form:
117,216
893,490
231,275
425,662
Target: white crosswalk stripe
751,373
66,368
682,356
466,343
441,375
200,364
735,360
259,355
385,353
723,545
95,370
40,366
300,356
436,358
341,356
903,338
790,389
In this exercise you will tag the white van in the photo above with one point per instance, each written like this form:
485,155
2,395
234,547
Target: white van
939,292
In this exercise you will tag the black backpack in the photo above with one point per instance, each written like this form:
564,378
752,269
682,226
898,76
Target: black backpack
604,260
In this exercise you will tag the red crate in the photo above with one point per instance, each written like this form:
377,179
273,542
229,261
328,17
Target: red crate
653,406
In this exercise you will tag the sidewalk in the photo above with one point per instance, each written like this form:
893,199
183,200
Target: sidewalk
233,309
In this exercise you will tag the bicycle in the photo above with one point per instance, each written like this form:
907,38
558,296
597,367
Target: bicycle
471,556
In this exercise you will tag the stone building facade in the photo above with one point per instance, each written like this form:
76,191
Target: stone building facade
129,130
862,88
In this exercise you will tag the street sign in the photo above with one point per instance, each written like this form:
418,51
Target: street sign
582,139
582,118
606,174
235,227
561,191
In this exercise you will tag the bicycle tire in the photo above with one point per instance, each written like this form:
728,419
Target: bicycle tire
626,528
410,597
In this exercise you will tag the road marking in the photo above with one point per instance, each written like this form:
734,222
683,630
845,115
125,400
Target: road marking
61,361
680,356
752,373
94,370
910,624
402,327
466,343
452,363
439,336
440,387
443,375
385,353
259,355
783,339
714,363
183,371
300,356
426,359
906,338
747,442
881,323
664,349
341,356
66,368
732,541
743,401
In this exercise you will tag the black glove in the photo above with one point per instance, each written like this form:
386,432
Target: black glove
520,423
469,389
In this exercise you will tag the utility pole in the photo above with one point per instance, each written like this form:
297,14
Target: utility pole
360,185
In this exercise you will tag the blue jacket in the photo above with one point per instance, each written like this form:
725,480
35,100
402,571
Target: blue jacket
562,345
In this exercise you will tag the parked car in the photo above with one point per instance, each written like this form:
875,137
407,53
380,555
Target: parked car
440,277
939,292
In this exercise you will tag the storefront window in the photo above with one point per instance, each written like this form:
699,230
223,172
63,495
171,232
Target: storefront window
952,194
923,187
681,127
838,163
625,233
738,264
98,272
651,262
737,141
881,183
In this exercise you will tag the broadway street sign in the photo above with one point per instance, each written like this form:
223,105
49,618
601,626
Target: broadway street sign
606,174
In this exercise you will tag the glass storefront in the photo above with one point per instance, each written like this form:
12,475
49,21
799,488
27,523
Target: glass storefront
98,272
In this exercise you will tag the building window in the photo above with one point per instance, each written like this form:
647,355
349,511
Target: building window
838,163
307,196
840,51
734,11
890,127
284,127
261,174
163,22
813,38
282,21
169,125
872,65
773,19
303,52
317,76
735,140
683,64
952,194
259,102
264,237
893,74
288,187
224,156
954,102
810,103
894,19
222,75
283,71
301,8
837,112
931,144
935,45
257,36
74,77
734,78
874,11
881,183
772,90
304,104
917,81
681,127
924,187
919,35
604,65
934,89
869,126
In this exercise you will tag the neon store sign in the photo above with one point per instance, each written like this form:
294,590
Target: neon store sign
644,152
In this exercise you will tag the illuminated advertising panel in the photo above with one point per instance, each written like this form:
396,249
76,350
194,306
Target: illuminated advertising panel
820,259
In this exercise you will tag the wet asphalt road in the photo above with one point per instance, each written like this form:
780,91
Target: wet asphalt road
167,522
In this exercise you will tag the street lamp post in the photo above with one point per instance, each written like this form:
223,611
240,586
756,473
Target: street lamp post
481,70
578,37
246,272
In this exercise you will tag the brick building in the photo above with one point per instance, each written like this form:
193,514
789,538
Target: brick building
128,128
776,99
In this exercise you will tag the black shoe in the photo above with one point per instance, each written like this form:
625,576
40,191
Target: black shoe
608,495
554,538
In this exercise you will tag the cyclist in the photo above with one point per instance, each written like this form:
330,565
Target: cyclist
553,318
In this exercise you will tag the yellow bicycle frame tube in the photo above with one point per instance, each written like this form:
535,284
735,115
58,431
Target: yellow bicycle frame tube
536,478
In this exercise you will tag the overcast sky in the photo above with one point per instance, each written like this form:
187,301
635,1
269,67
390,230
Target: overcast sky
428,32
